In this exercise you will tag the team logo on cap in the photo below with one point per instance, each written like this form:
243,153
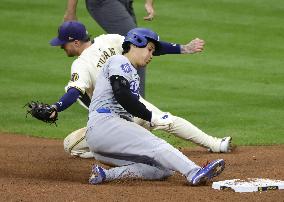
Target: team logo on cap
74,77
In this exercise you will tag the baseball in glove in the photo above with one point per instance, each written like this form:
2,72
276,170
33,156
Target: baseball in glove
44,112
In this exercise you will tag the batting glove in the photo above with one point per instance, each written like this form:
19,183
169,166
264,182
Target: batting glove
161,121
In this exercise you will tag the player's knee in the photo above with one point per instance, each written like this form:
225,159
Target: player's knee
168,173
163,174
75,142
67,144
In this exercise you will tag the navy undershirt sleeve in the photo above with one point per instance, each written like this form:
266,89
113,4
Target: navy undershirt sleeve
127,100
67,99
168,48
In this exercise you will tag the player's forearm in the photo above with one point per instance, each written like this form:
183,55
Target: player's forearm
127,100
169,48
149,7
194,46
149,2
67,99
70,12
133,105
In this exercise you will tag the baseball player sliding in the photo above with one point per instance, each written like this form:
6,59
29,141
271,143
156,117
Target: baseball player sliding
113,136
92,55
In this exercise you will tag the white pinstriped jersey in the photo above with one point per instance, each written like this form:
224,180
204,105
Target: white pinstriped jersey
85,68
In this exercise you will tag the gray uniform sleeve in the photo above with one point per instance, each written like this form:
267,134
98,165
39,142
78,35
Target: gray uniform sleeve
121,66
125,85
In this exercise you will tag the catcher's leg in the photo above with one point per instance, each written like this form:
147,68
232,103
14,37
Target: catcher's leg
184,129
75,144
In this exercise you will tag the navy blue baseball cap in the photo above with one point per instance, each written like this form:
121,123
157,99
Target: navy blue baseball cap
70,31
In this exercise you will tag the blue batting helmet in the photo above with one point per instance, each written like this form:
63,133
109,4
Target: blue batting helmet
141,36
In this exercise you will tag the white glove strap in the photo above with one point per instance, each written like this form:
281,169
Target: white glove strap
164,119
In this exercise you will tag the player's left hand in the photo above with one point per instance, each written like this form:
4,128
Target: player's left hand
194,46
160,121
43,112
150,11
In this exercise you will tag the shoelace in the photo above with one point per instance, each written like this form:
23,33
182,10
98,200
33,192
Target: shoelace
205,164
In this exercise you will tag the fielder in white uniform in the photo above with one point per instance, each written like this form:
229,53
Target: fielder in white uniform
113,136
73,38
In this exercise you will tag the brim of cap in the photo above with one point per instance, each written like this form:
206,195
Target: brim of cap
57,42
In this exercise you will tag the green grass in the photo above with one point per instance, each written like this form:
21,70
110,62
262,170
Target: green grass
235,87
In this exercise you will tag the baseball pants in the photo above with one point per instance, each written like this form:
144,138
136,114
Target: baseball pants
115,138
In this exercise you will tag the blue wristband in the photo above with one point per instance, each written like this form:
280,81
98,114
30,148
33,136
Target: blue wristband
67,99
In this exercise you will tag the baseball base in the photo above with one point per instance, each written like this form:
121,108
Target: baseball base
249,185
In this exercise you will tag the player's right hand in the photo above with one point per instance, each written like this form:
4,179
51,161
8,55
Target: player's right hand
161,120
150,11
194,46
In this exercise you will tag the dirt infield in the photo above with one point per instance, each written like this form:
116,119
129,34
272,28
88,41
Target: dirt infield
37,169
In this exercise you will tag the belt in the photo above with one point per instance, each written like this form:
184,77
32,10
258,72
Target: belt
103,110
107,111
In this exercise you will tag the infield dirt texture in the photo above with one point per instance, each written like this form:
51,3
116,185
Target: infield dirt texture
37,169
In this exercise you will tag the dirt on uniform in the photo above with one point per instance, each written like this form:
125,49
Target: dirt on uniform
38,169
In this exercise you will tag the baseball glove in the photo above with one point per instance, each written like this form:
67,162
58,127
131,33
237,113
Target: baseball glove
42,112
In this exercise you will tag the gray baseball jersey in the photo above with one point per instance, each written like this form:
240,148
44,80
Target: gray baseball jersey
103,97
